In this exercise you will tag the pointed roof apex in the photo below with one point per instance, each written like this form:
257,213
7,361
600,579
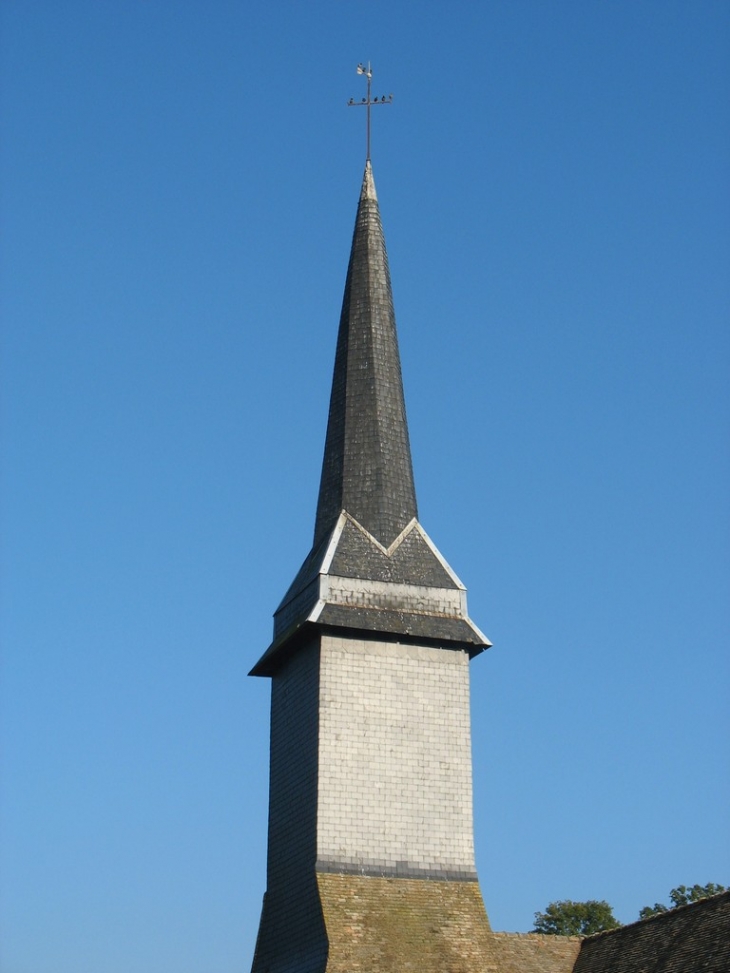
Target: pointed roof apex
368,184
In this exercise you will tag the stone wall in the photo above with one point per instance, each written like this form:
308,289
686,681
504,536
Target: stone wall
395,786
387,925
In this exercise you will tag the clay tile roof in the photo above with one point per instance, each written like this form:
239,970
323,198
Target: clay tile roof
692,939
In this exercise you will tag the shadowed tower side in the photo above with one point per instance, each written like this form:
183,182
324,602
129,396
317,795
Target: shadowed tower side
371,856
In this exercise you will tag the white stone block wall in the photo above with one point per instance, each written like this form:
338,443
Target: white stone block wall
395,776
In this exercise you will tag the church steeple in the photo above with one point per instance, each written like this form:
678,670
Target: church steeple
370,861
367,467
372,566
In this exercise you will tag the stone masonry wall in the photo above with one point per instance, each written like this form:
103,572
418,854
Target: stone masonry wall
395,925
395,779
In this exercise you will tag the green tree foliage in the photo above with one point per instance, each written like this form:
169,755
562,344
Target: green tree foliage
568,918
682,895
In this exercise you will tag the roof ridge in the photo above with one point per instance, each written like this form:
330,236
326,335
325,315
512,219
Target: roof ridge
671,911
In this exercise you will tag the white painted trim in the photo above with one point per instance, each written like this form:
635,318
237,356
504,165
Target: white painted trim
334,541
316,611
402,536
374,540
479,632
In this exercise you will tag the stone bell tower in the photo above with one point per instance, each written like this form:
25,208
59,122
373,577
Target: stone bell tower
370,855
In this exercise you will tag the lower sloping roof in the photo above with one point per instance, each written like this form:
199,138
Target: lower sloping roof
533,953
691,939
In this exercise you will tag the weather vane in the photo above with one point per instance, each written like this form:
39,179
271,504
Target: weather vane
369,102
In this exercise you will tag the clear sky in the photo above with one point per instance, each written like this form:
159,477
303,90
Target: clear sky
179,183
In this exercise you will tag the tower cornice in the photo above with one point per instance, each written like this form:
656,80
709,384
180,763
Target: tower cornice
406,591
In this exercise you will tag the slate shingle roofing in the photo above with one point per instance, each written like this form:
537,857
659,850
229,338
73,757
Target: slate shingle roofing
367,468
372,566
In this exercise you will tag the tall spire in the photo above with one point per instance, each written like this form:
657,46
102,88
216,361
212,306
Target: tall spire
372,566
367,468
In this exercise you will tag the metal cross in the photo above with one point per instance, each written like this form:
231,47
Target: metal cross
368,102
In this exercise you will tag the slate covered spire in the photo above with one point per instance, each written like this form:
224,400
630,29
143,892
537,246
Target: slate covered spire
367,467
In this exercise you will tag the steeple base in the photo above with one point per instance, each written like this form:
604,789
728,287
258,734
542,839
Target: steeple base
364,924
404,925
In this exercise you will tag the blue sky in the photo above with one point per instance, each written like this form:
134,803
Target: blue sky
178,190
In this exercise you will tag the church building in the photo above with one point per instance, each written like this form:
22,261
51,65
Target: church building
370,863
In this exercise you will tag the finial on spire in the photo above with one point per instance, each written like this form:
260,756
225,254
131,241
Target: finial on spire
369,102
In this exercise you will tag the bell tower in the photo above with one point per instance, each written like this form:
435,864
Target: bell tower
370,855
